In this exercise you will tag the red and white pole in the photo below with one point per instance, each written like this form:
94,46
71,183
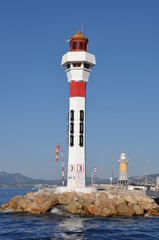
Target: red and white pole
57,153
62,168
95,171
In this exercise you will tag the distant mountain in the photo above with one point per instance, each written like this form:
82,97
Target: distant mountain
99,180
151,179
19,179
139,180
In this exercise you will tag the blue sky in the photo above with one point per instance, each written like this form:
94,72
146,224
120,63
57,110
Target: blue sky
122,93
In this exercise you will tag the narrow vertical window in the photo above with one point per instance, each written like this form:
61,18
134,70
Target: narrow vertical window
86,65
81,115
74,45
71,127
72,115
85,46
81,128
81,140
71,140
80,45
68,66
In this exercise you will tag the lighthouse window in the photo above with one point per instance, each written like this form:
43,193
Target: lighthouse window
86,65
81,115
85,46
71,140
76,64
81,127
71,127
68,66
74,45
80,45
72,115
81,140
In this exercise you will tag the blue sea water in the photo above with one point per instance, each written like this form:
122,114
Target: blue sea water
57,226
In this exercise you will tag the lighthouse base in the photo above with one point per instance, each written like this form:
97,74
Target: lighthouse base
74,189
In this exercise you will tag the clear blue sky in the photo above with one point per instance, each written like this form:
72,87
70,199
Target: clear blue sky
122,93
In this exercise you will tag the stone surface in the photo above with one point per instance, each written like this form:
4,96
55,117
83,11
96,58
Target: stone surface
104,203
130,199
125,210
138,210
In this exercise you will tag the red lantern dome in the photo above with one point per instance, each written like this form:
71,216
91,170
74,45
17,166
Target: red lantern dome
78,42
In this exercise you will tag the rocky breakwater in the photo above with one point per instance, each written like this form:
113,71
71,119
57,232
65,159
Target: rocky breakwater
101,203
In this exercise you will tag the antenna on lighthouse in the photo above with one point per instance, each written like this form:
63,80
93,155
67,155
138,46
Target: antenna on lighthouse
81,27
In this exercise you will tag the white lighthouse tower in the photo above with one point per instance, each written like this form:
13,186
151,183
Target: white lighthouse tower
78,63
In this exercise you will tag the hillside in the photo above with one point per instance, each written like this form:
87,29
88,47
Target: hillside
151,179
19,179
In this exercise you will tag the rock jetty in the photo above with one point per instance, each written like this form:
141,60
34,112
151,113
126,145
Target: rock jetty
114,202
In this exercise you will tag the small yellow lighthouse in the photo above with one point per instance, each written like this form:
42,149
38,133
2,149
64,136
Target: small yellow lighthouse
123,170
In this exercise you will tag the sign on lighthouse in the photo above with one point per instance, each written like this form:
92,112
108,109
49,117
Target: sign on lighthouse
78,63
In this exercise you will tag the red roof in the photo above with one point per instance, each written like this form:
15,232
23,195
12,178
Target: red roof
78,36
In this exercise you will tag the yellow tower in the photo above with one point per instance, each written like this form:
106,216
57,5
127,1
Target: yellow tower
123,170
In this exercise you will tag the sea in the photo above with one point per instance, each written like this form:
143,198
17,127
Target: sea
57,225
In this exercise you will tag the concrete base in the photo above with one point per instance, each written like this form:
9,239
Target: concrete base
82,190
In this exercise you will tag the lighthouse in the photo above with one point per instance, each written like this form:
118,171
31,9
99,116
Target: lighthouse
123,170
78,64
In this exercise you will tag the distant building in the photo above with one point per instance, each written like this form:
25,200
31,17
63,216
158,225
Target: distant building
123,170
157,182
143,188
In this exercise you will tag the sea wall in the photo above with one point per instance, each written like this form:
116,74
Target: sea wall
114,202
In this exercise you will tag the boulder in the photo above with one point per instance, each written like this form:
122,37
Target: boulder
86,201
30,194
138,210
45,202
34,208
146,205
130,199
25,204
120,200
153,212
75,207
14,204
66,198
125,210
102,203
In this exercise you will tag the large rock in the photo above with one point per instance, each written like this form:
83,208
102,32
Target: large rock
125,210
13,205
25,204
101,203
43,203
130,199
138,210
75,207
66,198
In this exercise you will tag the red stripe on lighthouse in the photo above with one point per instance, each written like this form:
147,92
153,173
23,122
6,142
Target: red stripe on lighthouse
77,89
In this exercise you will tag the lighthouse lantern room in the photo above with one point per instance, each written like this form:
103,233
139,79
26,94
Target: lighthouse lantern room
78,63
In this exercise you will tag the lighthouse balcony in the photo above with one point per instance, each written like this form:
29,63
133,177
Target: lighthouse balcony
76,57
78,74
